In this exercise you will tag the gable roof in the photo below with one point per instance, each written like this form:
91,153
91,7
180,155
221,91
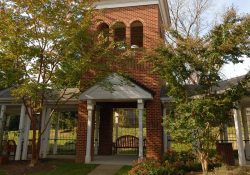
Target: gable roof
222,86
120,89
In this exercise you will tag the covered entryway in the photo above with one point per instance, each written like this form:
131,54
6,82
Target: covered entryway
101,102
14,112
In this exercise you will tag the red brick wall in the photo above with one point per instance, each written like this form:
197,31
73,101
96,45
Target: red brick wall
148,15
81,138
142,73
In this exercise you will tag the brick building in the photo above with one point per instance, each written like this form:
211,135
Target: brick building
139,24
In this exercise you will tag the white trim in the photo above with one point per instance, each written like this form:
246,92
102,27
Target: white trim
56,133
116,125
20,133
241,153
90,107
122,90
42,128
47,126
164,10
140,107
26,135
165,135
124,4
246,133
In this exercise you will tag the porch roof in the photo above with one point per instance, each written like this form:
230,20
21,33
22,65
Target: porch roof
67,96
116,88
220,88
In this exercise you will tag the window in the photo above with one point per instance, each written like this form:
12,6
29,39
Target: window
103,29
136,34
119,32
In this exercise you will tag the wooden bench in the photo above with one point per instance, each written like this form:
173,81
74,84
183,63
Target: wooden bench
127,141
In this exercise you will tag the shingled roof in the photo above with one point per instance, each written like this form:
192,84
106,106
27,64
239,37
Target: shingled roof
222,86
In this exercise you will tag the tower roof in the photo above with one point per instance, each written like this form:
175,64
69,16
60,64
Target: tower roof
163,6
101,4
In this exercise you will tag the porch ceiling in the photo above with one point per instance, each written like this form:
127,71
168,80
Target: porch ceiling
119,89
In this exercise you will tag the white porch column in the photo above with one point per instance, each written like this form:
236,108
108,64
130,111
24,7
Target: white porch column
26,136
90,108
116,125
165,135
140,107
97,117
2,113
42,129
242,160
2,116
225,133
246,134
56,133
20,133
47,126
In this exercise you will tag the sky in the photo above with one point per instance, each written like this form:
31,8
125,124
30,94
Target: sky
243,7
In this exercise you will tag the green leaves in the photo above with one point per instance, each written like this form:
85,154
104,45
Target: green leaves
191,68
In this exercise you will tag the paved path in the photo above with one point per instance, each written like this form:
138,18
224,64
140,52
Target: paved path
105,170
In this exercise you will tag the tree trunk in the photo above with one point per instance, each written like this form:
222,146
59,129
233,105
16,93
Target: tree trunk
203,157
34,157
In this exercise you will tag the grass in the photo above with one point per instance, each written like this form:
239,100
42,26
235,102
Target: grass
69,169
2,172
124,170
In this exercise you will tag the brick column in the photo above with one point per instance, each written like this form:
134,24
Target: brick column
81,132
128,35
106,131
154,129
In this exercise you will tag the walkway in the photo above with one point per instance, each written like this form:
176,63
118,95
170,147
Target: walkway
105,170
109,165
114,160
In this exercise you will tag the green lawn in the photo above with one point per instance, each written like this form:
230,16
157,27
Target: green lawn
124,170
64,169
69,169
2,172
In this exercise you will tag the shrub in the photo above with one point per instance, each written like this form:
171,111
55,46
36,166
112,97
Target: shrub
147,167
174,163
232,170
178,163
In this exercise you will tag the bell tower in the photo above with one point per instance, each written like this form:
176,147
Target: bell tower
139,24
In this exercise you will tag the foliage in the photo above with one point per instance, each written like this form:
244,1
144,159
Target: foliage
173,163
239,170
177,163
190,65
45,48
38,39
183,162
67,121
147,167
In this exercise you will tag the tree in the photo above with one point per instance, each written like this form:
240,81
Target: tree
190,65
46,46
